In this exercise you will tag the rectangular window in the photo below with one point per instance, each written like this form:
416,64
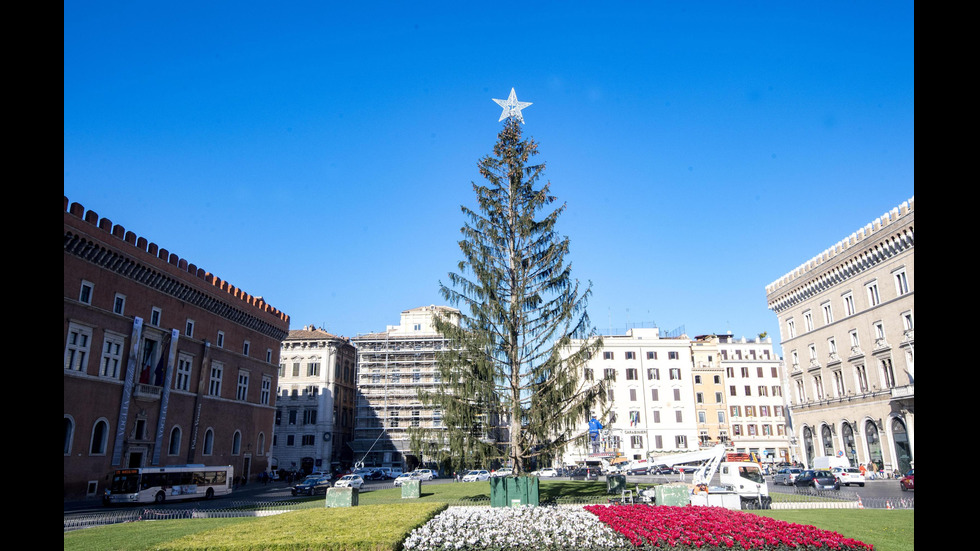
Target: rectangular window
156,316
699,397
292,416
828,314
309,416
656,416
214,383
653,374
636,442
189,329
220,341
631,374
721,416
76,350
719,397
808,321
588,374
675,374
182,380
873,297
313,369
791,328
268,355
673,355
309,439
630,355
736,411
265,391
119,305
111,356
654,394
632,394
245,347
295,369
849,309
702,417
681,441
651,355
901,282
609,374
607,355
677,394
731,390
85,292
242,386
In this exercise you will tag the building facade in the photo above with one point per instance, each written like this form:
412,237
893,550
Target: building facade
315,411
846,320
164,364
392,366
649,395
757,413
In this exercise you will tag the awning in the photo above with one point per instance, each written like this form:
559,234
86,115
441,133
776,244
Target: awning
618,460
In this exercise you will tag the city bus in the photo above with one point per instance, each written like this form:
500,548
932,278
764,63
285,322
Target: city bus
174,482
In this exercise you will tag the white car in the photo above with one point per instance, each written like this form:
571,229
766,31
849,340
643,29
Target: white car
474,476
349,481
425,474
848,476
403,478
548,473
499,473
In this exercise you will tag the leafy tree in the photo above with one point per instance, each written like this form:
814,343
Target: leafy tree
511,389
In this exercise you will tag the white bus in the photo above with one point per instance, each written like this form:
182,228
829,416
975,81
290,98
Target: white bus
174,482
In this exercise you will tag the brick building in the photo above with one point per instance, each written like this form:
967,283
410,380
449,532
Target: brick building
165,363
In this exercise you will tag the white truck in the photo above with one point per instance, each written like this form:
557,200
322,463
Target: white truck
828,462
742,483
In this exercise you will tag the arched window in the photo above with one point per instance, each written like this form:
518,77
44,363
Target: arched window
261,445
903,449
208,442
236,443
100,437
808,445
69,434
874,443
174,441
850,445
828,441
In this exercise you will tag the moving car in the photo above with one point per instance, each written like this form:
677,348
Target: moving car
313,484
474,476
425,474
848,476
787,476
502,472
908,481
349,481
548,473
817,480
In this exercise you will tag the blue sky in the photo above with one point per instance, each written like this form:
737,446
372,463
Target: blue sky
317,153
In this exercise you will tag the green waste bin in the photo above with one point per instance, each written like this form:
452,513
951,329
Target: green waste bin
615,483
510,491
411,489
673,494
341,497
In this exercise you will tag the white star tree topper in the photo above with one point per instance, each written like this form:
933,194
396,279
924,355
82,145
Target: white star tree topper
512,107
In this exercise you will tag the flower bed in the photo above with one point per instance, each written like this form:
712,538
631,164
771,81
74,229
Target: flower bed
515,528
618,527
715,528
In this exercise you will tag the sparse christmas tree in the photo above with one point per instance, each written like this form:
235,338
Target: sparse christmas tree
512,390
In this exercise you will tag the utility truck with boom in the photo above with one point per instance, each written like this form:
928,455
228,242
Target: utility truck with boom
742,483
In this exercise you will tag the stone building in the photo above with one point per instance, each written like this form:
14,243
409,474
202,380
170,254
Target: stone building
164,363
315,410
847,322
391,368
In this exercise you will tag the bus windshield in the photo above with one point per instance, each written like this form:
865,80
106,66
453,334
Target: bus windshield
125,482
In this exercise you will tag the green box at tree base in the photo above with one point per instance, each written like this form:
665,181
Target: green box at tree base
673,494
412,489
615,483
510,491
341,497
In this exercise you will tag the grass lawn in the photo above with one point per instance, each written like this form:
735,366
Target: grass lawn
383,519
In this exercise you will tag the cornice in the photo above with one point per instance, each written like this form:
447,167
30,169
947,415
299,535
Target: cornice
124,266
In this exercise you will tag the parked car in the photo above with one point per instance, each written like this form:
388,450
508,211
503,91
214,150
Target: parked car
474,476
349,481
425,474
848,476
313,484
548,473
817,480
787,476
501,473
374,474
908,481
405,477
